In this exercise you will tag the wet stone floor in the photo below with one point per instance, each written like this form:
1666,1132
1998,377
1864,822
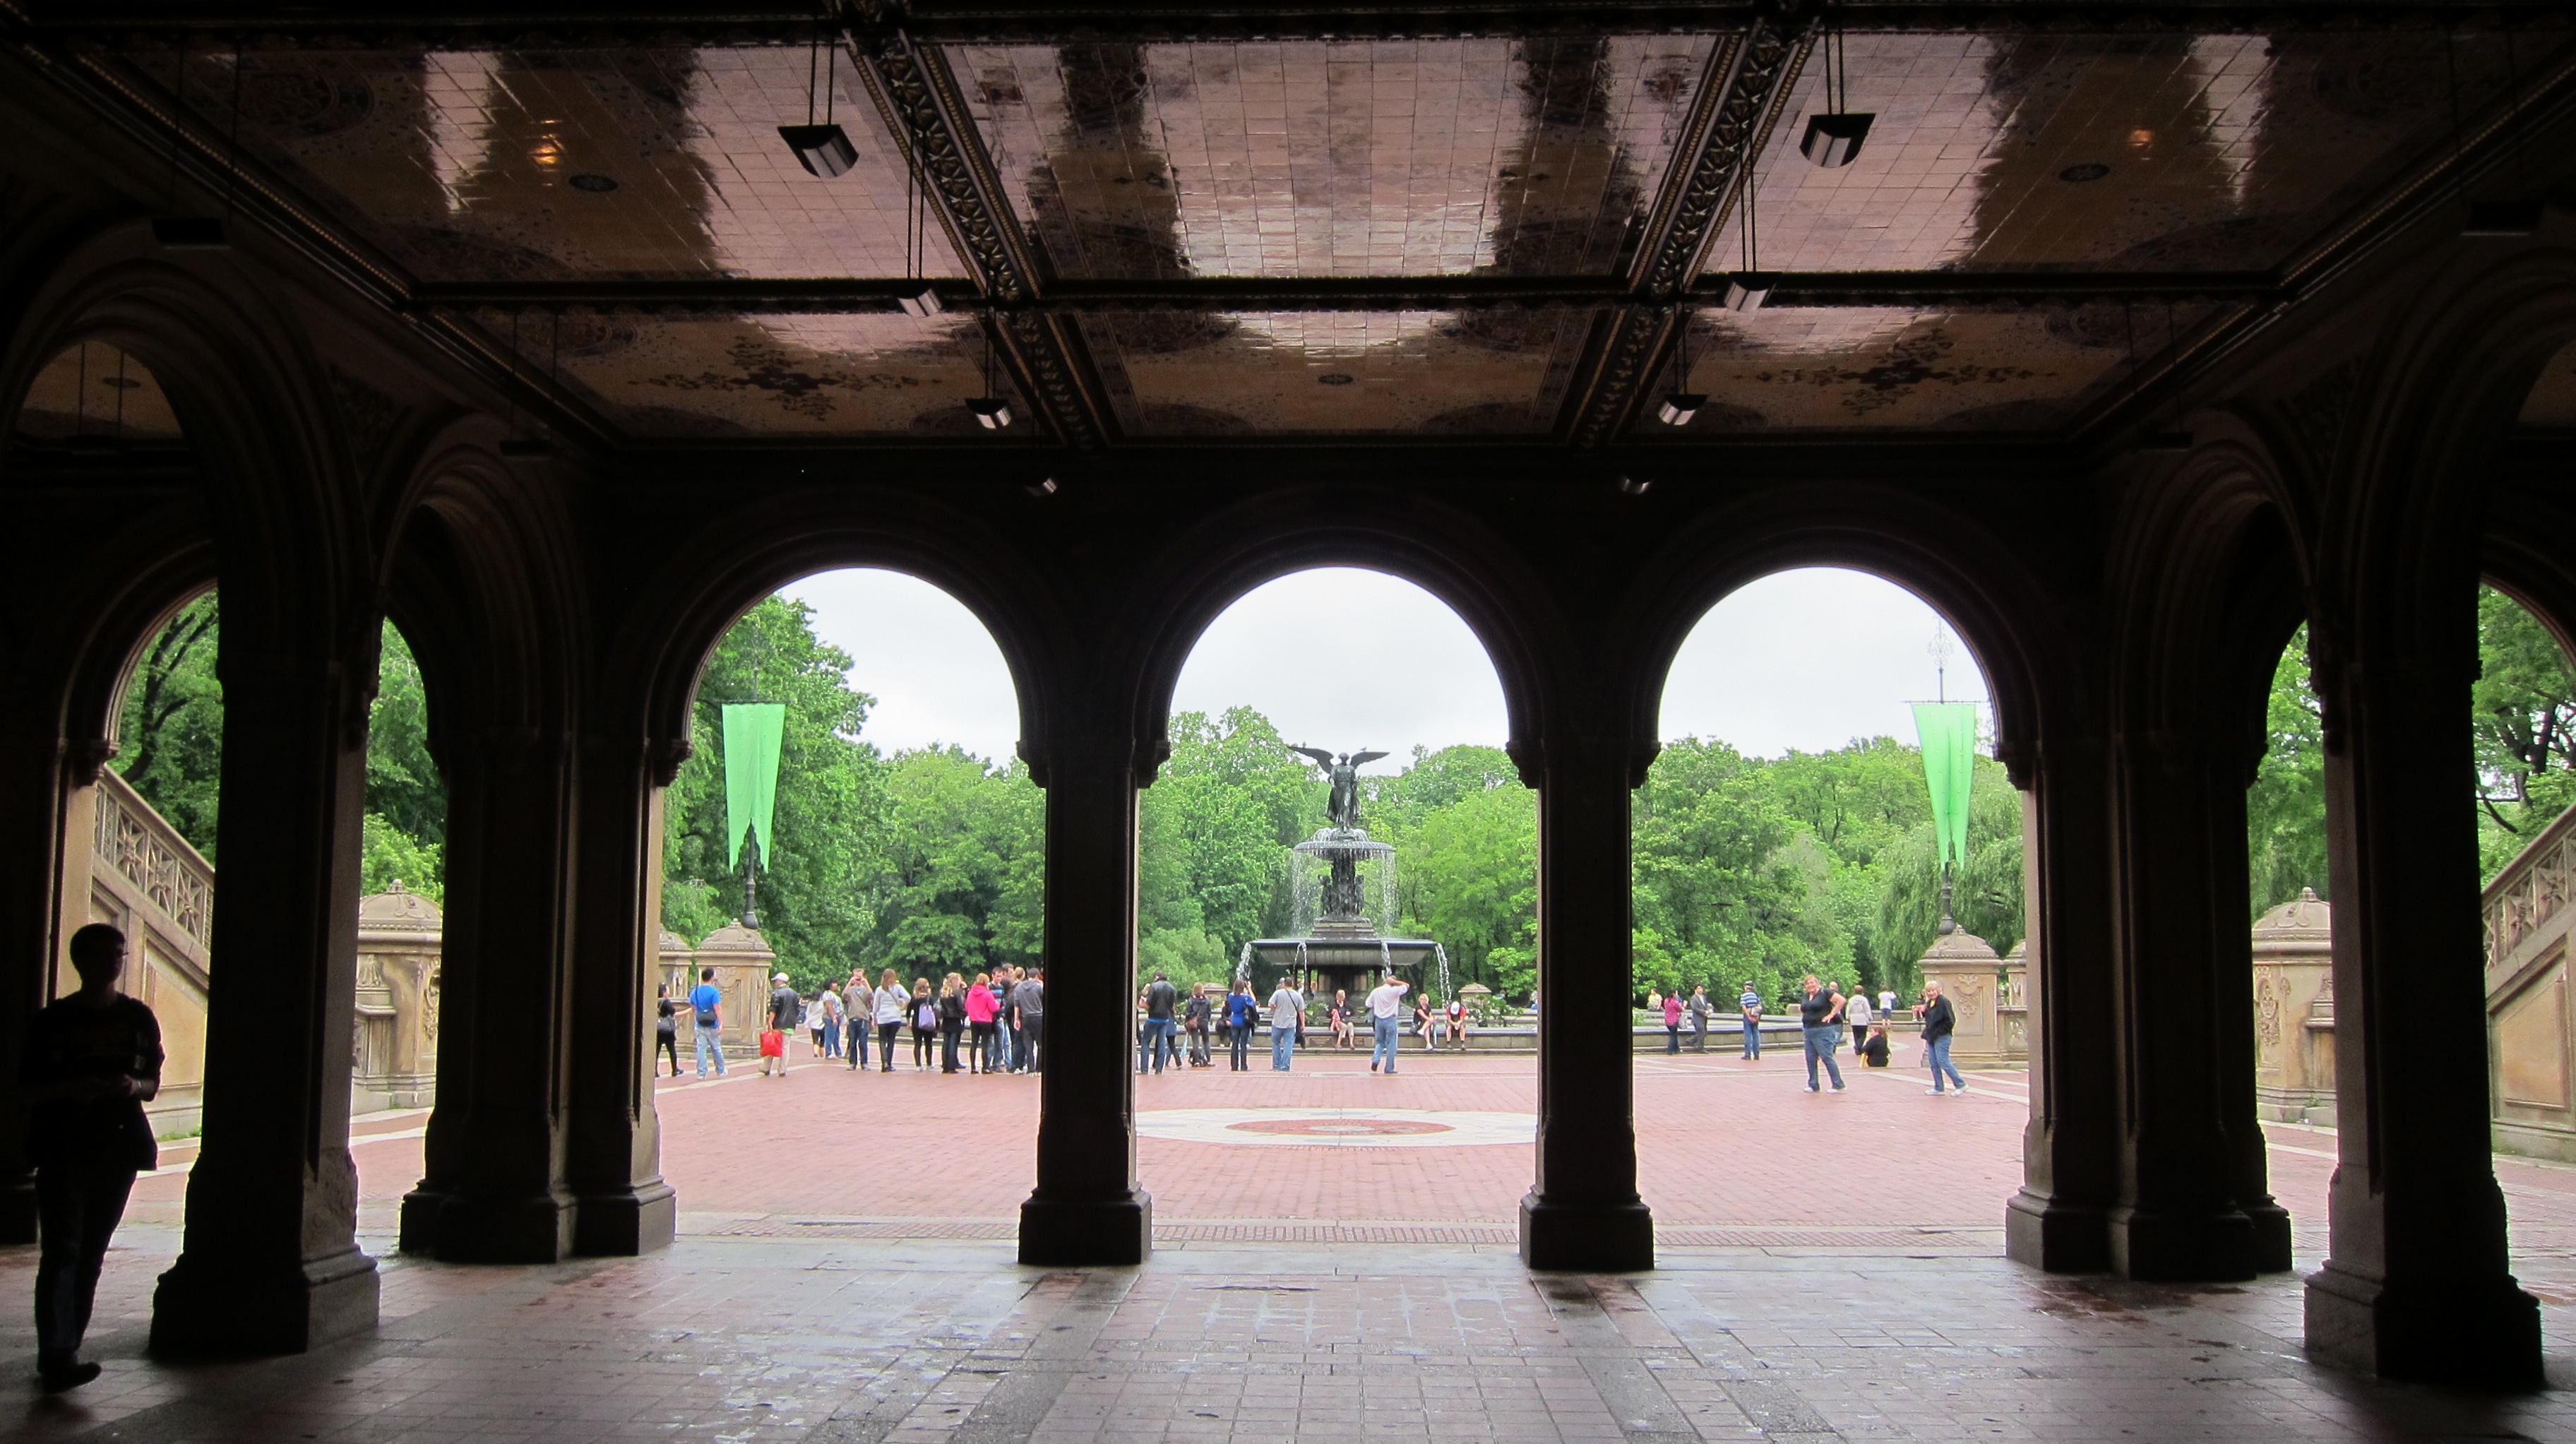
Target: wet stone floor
861,1341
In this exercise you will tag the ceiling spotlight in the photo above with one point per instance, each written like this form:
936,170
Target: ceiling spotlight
189,233
823,150
1833,140
1747,290
925,303
2502,218
1045,486
991,412
1679,407
1634,485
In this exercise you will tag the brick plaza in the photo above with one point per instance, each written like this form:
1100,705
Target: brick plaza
1830,1269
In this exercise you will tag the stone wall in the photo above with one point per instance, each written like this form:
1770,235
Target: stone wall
2531,1092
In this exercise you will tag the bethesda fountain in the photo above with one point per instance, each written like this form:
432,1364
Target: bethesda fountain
1341,946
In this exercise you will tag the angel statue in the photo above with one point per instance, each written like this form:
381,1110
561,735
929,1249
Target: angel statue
1343,808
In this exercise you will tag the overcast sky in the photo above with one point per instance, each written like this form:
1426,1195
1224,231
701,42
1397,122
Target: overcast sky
1349,659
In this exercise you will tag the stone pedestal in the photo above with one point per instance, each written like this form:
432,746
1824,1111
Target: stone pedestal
744,963
2014,1011
396,1062
2294,1077
1967,969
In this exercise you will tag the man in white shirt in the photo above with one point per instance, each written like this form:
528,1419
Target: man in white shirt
1385,1005
1287,1012
1856,1013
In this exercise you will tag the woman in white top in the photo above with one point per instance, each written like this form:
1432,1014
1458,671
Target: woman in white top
891,999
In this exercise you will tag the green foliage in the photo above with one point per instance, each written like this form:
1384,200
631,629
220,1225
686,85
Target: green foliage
170,724
1468,873
2523,710
959,868
1713,898
1213,832
392,855
2285,809
1985,896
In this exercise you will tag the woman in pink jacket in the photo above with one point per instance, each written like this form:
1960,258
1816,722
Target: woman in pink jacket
980,1013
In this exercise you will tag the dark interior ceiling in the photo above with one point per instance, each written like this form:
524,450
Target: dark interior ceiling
1164,222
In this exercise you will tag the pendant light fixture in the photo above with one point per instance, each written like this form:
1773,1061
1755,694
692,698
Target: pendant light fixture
1682,403
990,410
824,150
1748,288
918,298
1833,138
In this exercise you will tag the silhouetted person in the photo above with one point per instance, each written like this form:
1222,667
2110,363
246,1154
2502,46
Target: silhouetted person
92,1059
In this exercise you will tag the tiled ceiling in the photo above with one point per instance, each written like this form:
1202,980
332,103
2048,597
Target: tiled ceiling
750,376
1315,158
2142,153
1547,163
481,165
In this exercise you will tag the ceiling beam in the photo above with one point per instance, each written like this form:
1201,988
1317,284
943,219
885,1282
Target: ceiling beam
1923,290
576,22
927,115
1748,80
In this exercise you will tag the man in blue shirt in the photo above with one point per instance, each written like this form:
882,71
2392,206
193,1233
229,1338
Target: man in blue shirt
707,999
1751,1004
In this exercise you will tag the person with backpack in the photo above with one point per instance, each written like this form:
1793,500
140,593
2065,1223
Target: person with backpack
1028,1018
706,1001
786,1010
925,1023
1751,1006
952,1020
1005,1057
1287,1016
666,1030
1240,1011
830,1006
1194,1022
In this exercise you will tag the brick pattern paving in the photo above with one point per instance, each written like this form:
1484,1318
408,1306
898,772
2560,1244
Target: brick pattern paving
845,1276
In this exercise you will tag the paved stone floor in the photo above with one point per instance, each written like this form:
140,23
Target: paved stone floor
1814,1284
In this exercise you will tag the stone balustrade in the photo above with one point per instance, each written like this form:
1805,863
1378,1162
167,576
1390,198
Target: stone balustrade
2531,1093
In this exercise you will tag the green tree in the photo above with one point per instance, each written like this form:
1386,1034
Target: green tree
1985,893
960,866
1214,831
1469,878
2523,709
2285,808
170,724
1715,899
818,873
406,825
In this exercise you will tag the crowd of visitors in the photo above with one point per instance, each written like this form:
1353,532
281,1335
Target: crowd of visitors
995,1023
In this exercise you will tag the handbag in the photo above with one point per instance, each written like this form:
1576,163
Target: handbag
773,1044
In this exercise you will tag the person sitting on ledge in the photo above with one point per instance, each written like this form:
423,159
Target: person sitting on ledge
1874,1052
93,1059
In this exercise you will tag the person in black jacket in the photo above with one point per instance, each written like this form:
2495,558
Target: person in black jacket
666,1030
93,1059
1939,1019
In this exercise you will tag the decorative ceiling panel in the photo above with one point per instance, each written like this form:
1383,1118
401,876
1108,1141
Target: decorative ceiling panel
1499,372
96,390
2147,153
1857,368
479,165
1525,157
744,376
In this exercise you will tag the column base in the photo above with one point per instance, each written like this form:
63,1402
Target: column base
461,1228
638,1220
2061,1238
2271,1237
2458,1333
2153,1246
204,1308
1109,1232
18,1213
1592,1238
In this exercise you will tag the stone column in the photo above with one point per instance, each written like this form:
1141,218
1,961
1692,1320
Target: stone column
271,1262
2418,1284
2184,1019
1584,1212
744,963
492,1188
2069,1168
32,793
399,936
1088,1208
613,1148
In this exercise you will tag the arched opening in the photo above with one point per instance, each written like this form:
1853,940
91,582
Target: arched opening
898,859
1787,831
1274,902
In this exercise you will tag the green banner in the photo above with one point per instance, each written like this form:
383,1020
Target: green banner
752,731
1948,731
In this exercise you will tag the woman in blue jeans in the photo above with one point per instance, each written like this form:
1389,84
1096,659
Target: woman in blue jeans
1240,1009
1939,1020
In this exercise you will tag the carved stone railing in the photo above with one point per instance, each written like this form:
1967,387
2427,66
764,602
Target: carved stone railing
146,851
2526,905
